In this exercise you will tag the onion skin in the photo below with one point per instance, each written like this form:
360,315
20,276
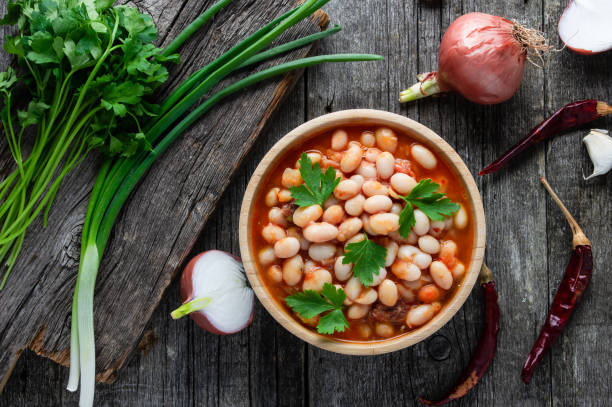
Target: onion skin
481,59
187,295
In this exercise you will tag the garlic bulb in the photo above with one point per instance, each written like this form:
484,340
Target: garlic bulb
599,146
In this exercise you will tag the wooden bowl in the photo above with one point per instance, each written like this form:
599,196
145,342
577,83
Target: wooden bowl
314,128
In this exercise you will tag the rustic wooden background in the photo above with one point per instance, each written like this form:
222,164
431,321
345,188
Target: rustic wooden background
528,244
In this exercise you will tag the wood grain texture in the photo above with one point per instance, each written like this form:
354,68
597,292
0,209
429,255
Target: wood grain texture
528,244
146,248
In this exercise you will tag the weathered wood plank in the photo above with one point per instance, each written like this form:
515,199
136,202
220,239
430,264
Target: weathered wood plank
528,245
580,378
146,248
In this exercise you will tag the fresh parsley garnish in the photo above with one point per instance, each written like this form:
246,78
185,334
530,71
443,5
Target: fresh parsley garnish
424,196
310,303
367,258
317,186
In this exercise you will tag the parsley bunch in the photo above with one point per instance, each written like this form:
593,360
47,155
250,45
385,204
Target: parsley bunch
317,186
86,68
424,196
310,304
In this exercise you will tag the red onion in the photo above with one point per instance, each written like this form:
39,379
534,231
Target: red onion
215,293
482,57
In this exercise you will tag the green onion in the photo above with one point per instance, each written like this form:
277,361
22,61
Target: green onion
118,177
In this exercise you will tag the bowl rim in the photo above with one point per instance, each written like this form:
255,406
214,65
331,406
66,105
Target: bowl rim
420,133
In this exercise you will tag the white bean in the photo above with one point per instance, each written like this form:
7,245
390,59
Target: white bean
334,214
276,215
349,228
420,315
384,329
291,178
387,293
266,256
358,179
346,189
353,288
448,249
369,296
377,203
424,157
284,195
294,232
342,271
436,228
286,247
315,279
314,156
386,139
321,251
275,273
354,206
385,164
331,201
367,139
378,278
405,270
441,275
421,226
406,293
367,170
339,140
458,271
402,183
351,159
429,244
357,311
272,233
310,265
293,270
383,223
461,218
396,208
422,260
320,232
272,197
392,249
355,239
307,214
372,154
371,188
365,219
411,239
407,252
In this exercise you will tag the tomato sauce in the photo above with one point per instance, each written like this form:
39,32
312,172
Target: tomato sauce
363,329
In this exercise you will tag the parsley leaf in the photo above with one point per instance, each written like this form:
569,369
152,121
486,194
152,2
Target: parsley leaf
317,186
433,204
310,303
334,321
368,258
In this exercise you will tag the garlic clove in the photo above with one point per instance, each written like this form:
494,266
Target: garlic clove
599,146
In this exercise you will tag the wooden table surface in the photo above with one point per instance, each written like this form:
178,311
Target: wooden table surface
528,243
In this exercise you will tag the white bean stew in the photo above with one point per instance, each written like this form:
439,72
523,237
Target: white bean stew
362,234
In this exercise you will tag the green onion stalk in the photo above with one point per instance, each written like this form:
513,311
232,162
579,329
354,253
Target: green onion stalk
118,177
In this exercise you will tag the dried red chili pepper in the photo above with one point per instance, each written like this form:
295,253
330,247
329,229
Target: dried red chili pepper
574,283
487,345
571,115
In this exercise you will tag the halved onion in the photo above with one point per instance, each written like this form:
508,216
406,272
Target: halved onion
585,26
215,293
